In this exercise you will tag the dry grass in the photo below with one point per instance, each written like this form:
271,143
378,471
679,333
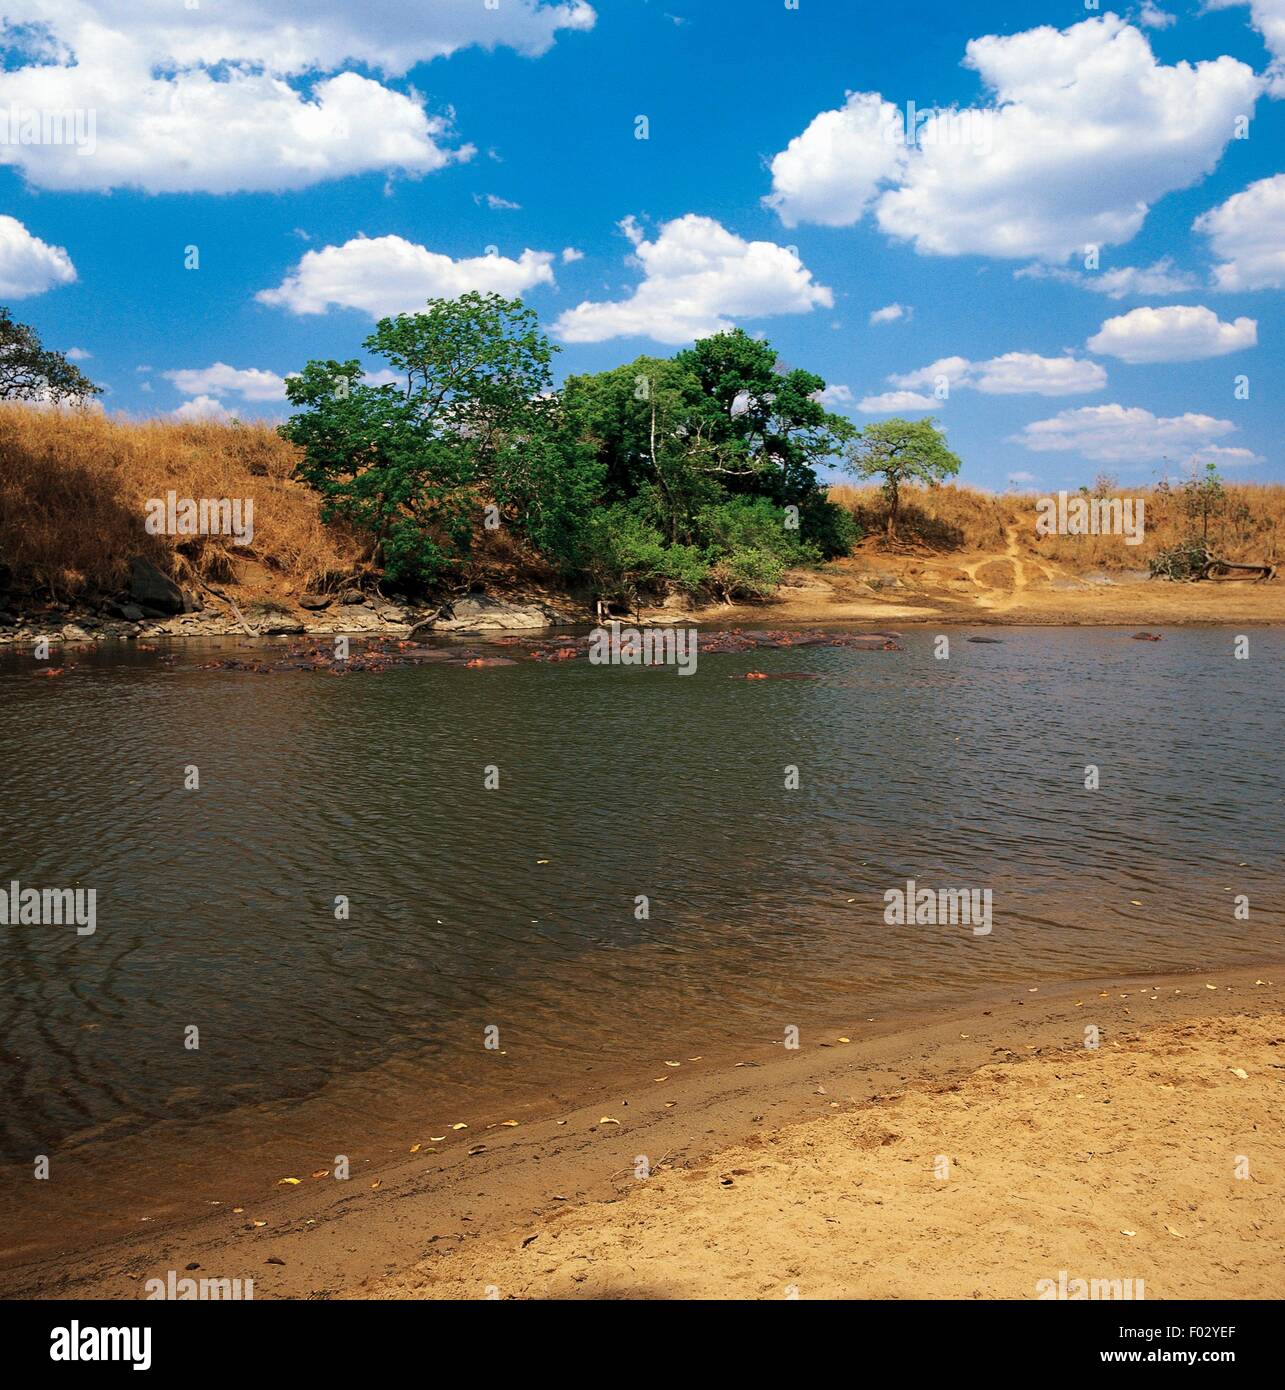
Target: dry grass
73,485
956,518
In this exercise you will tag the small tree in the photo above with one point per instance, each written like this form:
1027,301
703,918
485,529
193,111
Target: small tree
901,451
30,372
1203,496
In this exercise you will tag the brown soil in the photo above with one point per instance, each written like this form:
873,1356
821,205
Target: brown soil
1015,585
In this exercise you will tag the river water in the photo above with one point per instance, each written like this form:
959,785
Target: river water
516,908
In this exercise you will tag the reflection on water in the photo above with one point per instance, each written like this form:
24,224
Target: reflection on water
216,907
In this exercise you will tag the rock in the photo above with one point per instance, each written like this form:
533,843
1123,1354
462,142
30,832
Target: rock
152,589
281,627
131,612
315,603
192,601
481,613
352,596
72,633
8,619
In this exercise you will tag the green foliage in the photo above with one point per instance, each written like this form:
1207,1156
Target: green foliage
30,372
626,553
901,451
692,472
1203,497
410,462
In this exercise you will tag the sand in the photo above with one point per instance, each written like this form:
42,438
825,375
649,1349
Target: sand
1024,1177
815,1172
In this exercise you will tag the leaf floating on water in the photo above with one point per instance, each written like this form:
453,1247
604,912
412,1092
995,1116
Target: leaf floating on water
478,1149
459,1126
322,1173
673,1064
607,1120
660,1078
258,1223
509,1124
1173,1232
1240,1072
543,861
379,1182
291,1182
415,1148
845,1040
1211,986
1135,902
436,1138
1128,1233
238,1210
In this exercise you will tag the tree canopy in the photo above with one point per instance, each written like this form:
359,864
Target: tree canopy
30,372
901,451
697,470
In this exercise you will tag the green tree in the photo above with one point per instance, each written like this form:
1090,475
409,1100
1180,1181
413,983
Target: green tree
722,418
413,461
30,372
1202,497
901,451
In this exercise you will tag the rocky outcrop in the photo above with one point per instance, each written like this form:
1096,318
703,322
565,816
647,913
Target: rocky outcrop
152,590
481,613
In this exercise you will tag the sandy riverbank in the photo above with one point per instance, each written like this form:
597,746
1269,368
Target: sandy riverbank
814,1170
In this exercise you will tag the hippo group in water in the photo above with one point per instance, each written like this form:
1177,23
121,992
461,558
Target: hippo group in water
386,653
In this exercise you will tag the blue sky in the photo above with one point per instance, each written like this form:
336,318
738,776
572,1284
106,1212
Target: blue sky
332,162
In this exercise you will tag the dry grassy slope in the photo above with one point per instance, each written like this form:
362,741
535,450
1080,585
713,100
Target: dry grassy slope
73,487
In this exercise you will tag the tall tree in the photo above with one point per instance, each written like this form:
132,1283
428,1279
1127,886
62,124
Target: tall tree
30,372
901,451
721,418
413,461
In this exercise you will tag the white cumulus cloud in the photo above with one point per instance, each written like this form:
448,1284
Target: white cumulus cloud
1174,333
1011,374
202,408
698,278
890,313
892,401
245,95
1268,17
390,275
1085,131
832,172
250,383
1247,235
1122,434
1125,282
27,264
